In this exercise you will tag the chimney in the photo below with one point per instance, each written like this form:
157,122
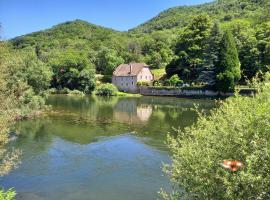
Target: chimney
130,68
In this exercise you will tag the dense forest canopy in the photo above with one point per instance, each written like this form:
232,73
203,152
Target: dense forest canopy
221,10
185,40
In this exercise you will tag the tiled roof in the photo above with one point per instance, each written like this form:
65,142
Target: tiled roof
131,69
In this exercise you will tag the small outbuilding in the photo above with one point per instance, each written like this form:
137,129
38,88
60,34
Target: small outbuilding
126,76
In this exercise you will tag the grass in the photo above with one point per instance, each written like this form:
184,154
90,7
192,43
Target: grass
158,73
123,94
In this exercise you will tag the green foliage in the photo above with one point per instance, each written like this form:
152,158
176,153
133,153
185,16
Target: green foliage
190,49
72,70
220,10
228,68
237,130
143,83
76,93
33,71
7,195
108,60
182,39
106,90
156,49
174,81
211,56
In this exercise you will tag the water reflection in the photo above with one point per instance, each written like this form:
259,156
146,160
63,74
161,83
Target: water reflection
129,111
103,148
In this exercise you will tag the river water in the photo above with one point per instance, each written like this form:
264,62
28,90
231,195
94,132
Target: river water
99,148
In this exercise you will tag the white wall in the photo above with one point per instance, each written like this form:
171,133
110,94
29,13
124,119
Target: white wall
125,83
145,75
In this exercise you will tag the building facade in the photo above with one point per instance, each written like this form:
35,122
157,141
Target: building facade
126,76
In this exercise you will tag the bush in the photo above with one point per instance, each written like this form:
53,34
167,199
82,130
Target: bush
64,91
143,83
106,90
76,93
107,78
174,81
8,195
238,130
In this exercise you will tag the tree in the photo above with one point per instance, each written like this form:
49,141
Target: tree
72,70
211,56
190,49
174,81
228,68
156,47
263,37
246,42
108,60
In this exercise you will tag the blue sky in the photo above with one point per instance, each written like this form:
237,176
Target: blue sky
20,17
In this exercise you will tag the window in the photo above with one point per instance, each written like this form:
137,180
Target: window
146,77
127,84
141,77
132,83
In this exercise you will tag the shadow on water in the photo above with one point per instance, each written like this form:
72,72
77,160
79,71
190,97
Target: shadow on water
99,148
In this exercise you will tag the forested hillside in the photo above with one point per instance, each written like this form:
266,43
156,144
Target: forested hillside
221,10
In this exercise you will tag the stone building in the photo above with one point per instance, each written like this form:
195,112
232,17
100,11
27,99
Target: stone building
126,76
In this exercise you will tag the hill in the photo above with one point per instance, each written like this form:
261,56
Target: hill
221,10
78,30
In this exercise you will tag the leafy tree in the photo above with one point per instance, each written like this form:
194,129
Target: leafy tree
246,42
174,81
72,70
190,49
156,48
37,74
263,37
108,60
228,68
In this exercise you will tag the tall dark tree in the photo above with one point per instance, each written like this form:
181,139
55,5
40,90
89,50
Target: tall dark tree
211,56
228,69
190,49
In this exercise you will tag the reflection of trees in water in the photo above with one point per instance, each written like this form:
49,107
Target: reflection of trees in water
83,119
33,137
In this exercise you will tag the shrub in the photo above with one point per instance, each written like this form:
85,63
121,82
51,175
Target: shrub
7,195
143,83
157,83
76,93
106,90
107,78
64,91
174,81
238,130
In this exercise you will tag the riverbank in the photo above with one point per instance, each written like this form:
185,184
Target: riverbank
192,92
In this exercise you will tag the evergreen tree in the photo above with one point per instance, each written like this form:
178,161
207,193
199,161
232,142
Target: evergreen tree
228,69
190,49
211,56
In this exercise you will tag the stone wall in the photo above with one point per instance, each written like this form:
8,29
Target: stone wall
151,91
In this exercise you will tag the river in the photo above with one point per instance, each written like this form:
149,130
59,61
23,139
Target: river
99,148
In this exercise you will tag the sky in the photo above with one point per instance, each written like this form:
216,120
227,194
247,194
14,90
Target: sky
18,17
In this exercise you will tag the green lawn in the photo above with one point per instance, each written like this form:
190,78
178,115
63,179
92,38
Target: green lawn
158,73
